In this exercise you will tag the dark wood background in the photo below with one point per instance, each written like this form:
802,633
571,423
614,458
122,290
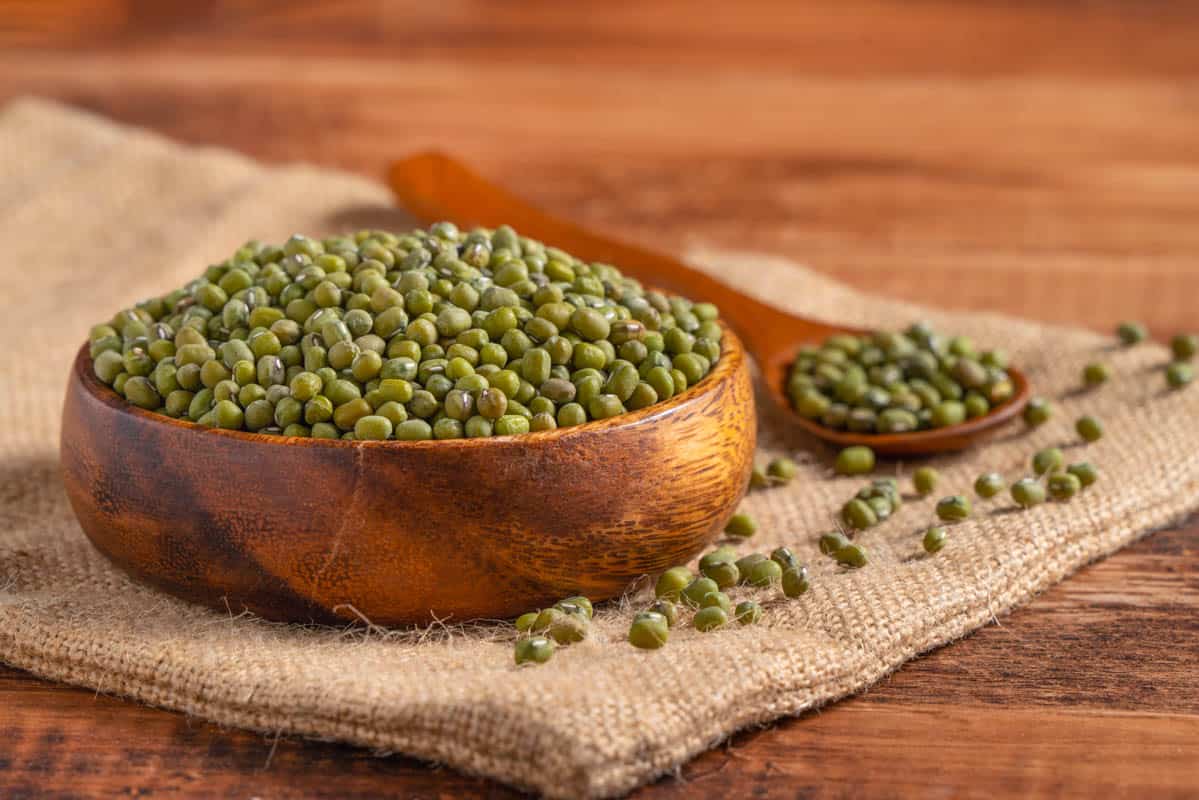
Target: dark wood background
1040,158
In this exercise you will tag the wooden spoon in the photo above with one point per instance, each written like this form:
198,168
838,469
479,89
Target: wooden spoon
433,186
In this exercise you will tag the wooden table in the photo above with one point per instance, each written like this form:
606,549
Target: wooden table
1039,158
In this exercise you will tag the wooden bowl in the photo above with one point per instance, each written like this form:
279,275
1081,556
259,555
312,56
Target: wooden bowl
396,532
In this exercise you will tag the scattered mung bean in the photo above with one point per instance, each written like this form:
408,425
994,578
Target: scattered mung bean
856,460
534,650
710,618
1089,428
989,485
741,525
954,508
649,630
748,612
1063,485
1028,492
1048,460
934,539
1037,412
925,480
1085,472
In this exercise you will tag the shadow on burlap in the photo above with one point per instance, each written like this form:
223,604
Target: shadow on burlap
95,216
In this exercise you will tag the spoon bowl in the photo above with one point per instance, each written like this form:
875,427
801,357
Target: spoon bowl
302,530
433,187
915,443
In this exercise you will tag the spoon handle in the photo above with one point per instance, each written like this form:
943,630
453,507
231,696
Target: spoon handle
434,186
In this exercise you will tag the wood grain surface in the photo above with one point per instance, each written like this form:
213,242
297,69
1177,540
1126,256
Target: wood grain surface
1034,157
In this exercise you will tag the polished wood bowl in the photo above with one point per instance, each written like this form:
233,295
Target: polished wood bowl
401,532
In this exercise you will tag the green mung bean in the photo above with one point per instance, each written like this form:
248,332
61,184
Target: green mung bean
833,541
1184,346
989,485
758,478
741,525
649,630
856,460
668,610
1095,374
1028,492
1086,473
934,539
1063,485
718,599
954,508
858,514
851,555
1037,412
764,573
1051,459
719,555
725,573
693,594
534,650
795,581
748,612
672,582
746,562
1131,333
781,470
710,618
784,558
925,480
1179,375
1089,428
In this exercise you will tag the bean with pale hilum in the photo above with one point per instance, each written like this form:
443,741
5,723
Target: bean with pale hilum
989,485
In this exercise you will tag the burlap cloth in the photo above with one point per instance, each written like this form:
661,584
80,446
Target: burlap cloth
94,216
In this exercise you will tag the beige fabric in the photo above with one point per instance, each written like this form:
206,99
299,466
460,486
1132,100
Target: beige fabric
94,216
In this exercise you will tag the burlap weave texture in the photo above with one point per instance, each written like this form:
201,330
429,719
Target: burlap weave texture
95,216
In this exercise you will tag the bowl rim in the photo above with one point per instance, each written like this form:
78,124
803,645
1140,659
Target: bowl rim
732,357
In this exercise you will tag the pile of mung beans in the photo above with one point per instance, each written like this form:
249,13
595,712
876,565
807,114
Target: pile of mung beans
540,632
677,592
706,595
430,334
897,382
723,571
878,500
